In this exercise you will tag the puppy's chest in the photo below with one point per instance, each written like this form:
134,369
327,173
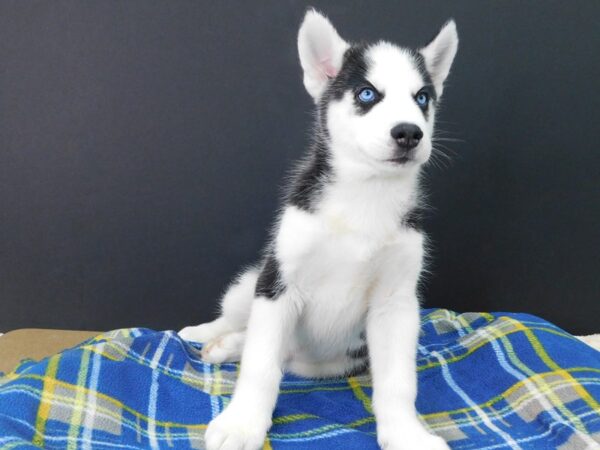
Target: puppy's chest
328,254
332,264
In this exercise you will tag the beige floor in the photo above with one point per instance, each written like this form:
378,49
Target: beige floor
36,344
593,340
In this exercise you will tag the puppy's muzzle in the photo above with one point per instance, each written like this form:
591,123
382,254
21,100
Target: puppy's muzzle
407,135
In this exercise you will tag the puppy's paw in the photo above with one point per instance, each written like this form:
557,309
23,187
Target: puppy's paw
236,429
221,350
409,438
200,333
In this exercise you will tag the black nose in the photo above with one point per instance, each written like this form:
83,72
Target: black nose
407,135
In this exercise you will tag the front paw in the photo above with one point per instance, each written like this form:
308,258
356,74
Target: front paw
236,429
409,438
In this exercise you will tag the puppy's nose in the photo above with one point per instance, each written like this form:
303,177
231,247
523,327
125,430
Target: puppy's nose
407,135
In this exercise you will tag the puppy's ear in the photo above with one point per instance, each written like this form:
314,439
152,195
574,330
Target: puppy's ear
440,53
321,51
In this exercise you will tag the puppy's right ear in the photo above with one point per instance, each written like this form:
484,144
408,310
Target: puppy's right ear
321,51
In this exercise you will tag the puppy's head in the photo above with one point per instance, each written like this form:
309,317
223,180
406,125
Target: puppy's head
376,102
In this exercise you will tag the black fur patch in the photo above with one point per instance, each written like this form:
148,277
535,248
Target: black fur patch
413,218
269,280
311,174
353,78
358,353
359,369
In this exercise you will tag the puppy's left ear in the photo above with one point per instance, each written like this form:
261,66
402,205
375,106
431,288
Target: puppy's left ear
440,53
321,51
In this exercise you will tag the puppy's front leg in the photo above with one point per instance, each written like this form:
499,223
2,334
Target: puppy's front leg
393,326
245,422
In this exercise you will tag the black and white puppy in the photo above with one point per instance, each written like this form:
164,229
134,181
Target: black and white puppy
336,291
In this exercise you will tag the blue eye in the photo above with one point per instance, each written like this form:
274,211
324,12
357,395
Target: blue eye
367,95
422,99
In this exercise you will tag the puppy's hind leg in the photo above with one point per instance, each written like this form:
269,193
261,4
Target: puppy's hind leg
205,332
235,310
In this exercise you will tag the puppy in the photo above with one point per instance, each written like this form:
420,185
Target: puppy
335,293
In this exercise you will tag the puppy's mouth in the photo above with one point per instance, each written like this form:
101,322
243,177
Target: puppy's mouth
400,159
402,156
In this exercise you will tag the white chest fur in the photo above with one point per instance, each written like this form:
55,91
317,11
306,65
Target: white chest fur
331,258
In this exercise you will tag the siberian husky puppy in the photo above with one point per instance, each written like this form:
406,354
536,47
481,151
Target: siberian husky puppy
336,291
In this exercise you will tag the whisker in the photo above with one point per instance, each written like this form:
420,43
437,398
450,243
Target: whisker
440,131
443,149
437,162
448,139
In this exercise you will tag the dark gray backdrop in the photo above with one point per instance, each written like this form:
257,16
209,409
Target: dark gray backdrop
142,145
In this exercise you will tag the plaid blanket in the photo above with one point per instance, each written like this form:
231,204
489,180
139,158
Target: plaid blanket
486,381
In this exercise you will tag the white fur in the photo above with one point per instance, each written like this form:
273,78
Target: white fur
348,267
321,52
439,54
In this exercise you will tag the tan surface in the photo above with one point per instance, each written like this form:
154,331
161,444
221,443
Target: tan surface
36,344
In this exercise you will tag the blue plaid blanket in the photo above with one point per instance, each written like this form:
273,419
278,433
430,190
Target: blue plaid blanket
486,381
